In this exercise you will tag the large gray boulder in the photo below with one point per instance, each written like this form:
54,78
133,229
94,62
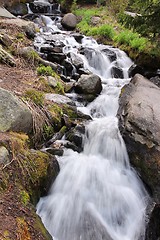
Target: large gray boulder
139,115
69,21
14,115
89,84
18,8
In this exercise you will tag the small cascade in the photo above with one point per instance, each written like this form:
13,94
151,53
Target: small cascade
97,195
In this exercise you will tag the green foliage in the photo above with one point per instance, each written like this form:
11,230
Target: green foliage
118,5
42,70
104,30
36,96
48,131
59,88
147,23
24,197
139,43
20,36
132,39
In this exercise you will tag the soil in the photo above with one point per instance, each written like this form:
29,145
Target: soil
16,220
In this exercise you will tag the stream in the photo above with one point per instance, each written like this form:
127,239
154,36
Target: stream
97,194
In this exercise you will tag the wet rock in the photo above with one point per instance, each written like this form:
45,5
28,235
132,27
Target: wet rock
76,61
39,7
135,69
56,57
89,84
117,72
18,9
4,155
139,115
60,99
153,226
47,49
68,67
155,80
110,54
75,136
14,115
83,71
69,21
78,37
55,151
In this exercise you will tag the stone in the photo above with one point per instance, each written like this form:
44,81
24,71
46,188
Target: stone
117,72
39,7
14,115
95,20
60,99
75,136
52,81
4,155
18,9
5,40
78,37
69,21
135,69
153,226
56,57
139,116
6,58
89,84
76,60
110,54
30,30
6,14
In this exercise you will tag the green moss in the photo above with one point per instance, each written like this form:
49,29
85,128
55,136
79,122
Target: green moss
46,71
20,36
6,235
36,96
56,112
24,197
44,86
39,226
59,88
48,131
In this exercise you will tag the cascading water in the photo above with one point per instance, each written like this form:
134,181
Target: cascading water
97,195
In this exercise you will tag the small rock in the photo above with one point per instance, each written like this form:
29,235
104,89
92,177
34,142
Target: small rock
4,155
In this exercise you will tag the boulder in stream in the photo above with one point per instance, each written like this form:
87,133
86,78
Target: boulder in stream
139,115
89,84
69,21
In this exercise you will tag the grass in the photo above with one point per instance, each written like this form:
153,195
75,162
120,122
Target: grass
132,39
109,29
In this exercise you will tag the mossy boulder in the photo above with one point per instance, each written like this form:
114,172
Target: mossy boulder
14,114
27,176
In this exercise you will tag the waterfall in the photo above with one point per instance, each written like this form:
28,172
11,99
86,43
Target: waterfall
97,194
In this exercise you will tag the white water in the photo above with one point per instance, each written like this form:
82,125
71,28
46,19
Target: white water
97,195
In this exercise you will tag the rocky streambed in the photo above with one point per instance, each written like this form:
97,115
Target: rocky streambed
42,120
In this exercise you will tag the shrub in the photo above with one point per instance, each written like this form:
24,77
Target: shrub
42,70
36,96
104,30
138,43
